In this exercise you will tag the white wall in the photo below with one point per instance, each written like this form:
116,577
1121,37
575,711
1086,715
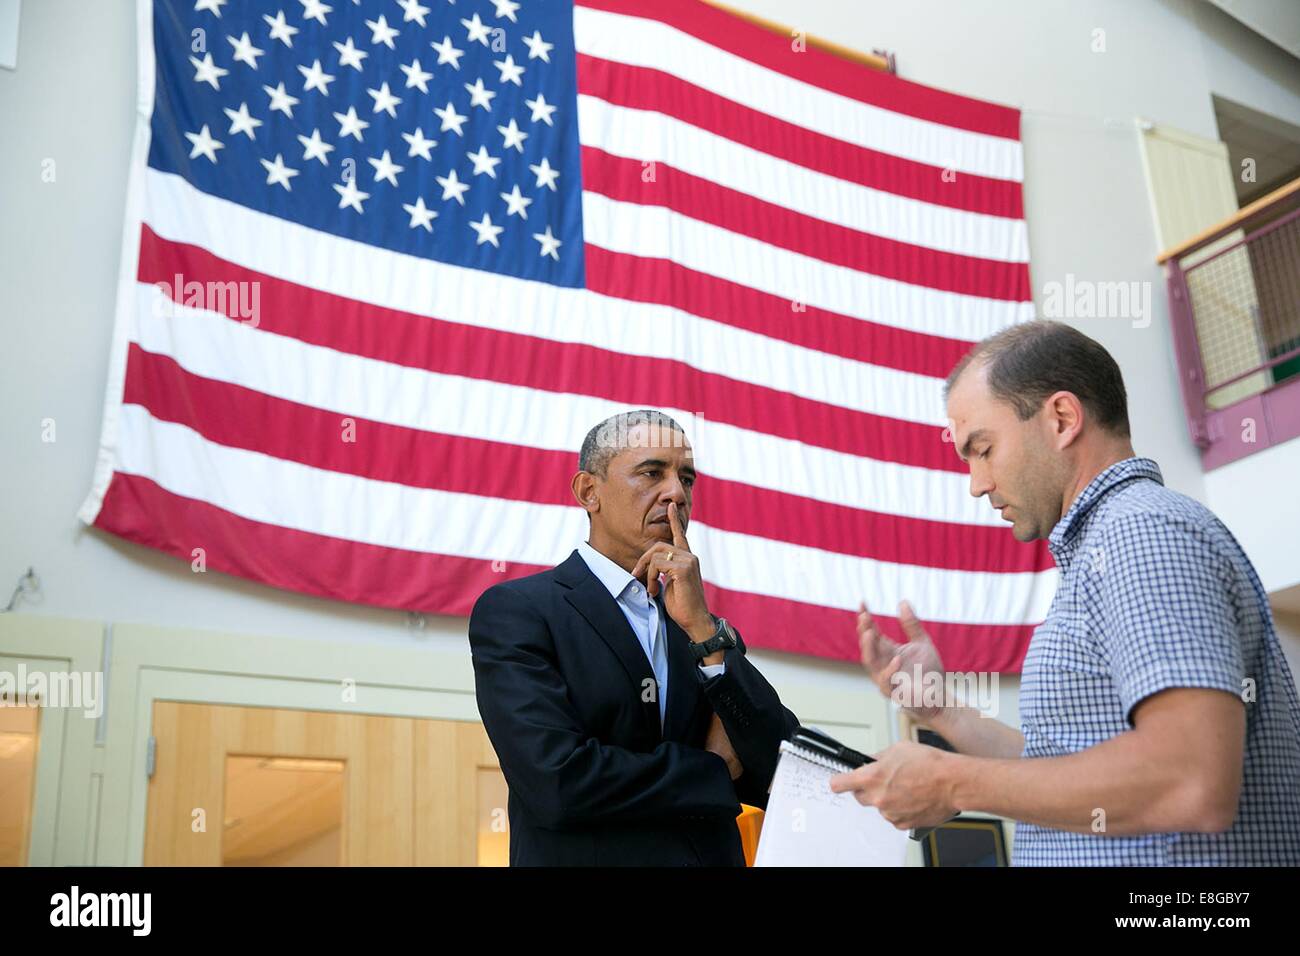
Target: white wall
1288,635
70,101
1258,498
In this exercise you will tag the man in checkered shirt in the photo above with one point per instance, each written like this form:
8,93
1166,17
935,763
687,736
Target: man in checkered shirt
1159,720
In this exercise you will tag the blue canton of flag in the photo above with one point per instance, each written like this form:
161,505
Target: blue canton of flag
445,130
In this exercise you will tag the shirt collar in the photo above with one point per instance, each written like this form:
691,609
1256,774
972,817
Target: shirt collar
612,576
1106,480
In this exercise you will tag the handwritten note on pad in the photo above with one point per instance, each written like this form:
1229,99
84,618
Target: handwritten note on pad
808,825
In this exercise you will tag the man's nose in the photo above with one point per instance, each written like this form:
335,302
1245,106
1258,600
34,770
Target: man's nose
675,491
979,485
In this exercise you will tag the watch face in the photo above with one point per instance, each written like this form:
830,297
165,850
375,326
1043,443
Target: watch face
728,635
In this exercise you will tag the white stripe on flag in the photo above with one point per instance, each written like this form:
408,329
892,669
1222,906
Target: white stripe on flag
219,348
288,494
645,135
664,234
648,43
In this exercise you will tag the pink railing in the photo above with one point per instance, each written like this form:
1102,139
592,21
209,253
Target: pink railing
1234,294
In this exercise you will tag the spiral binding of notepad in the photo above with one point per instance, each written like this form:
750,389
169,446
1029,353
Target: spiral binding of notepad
820,760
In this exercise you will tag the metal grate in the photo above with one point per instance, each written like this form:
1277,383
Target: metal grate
1245,304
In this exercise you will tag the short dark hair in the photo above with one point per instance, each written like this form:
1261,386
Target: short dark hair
609,437
1030,361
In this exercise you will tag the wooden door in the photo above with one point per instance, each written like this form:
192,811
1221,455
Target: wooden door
257,786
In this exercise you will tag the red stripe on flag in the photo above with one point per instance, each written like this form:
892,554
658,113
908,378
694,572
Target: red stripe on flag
453,349
220,412
663,282
784,625
623,179
140,510
819,68
643,88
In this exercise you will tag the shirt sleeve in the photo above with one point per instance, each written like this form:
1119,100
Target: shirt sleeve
1167,613
713,670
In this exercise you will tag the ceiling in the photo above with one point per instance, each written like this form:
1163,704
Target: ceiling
1273,144
1277,21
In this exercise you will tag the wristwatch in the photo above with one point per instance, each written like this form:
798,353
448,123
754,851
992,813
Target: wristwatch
724,638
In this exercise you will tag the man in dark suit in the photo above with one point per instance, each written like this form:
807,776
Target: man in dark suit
628,721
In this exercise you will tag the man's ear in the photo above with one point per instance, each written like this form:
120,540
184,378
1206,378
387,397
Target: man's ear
1065,416
584,490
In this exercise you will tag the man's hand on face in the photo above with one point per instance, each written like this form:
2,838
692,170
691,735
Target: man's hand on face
719,743
684,590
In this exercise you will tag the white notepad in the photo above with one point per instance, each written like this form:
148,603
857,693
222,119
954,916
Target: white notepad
807,825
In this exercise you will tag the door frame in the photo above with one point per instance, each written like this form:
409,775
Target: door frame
63,822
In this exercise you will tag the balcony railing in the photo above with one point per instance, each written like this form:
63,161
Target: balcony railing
1234,294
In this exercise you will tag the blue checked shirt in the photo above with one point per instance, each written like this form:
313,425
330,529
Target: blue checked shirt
1156,593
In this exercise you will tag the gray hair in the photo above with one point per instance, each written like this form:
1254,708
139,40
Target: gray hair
611,436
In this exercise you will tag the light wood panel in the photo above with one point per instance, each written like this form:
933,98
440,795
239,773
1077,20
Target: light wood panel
194,740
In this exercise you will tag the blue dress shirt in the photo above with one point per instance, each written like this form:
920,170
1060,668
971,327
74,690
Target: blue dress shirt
646,616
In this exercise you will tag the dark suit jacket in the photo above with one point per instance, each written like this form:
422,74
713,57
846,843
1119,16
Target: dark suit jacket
561,682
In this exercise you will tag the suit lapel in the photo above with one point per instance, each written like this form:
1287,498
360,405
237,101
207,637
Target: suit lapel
589,598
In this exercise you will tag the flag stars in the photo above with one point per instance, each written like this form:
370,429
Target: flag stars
278,172
204,144
483,163
245,52
415,76
513,136
280,29
350,124
451,120
452,187
411,10
476,29
315,78
421,215
516,203
448,53
542,110
510,70
206,71
242,122
385,168
486,231
538,49
349,195
546,175
349,55
385,101
381,32
506,8
212,6
419,146
280,100
315,148
315,10
479,95
550,246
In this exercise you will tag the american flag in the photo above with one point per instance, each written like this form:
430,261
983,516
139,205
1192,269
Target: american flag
385,262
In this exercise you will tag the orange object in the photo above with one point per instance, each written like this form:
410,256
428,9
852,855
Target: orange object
750,824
